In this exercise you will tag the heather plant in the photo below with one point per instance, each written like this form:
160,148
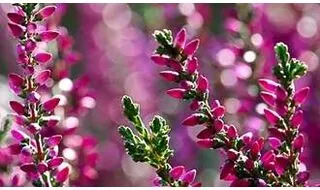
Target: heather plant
38,154
250,161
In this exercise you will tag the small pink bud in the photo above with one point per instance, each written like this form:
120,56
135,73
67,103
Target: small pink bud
271,116
33,97
177,93
29,168
16,30
203,84
206,133
297,118
180,39
192,65
160,60
205,143
19,135
50,104
30,45
176,172
232,154
298,142
194,105
281,93
247,138
15,80
218,112
301,95
268,98
62,175
268,157
170,75
42,167
191,47
240,183
15,149
31,27
43,57
227,169
55,162
45,12
232,132
42,77
281,164
17,107
302,177
47,36
274,142
218,125
189,176
194,119
275,132
54,140
255,149
20,119
175,65
268,85
16,18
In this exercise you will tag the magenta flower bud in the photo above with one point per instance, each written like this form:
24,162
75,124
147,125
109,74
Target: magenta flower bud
232,154
191,47
54,140
246,138
194,105
176,172
15,149
186,84
170,75
19,135
296,119
232,132
218,112
33,128
42,167
17,107
16,30
240,183
15,80
55,162
157,181
45,12
271,116
47,36
180,39
62,175
281,93
194,119
281,164
268,98
268,85
30,46
205,133
227,169
42,77
20,119
205,143
29,168
33,97
15,181
192,65
274,142
249,164
203,84
274,132
298,142
218,125
255,149
189,176
31,28
16,18
43,57
53,153
268,157
302,177
25,151
177,93
301,95
160,60
215,104
50,104
52,121
175,65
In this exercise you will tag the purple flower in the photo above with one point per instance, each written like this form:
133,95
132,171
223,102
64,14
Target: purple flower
48,36
176,172
16,18
43,57
62,175
42,77
170,75
50,104
191,47
45,12
16,30
176,93
17,107
180,39
301,95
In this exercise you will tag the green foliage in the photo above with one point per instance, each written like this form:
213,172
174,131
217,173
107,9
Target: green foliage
287,69
147,145
165,40
4,129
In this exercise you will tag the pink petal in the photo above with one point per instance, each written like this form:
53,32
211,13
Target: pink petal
62,175
274,142
157,181
232,154
47,36
296,119
247,137
42,77
176,172
206,133
240,183
255,149
194,105
218,112
160,60
301,95
43,57
175,65
15,181
176,93
302,177
281,164
194,119
232,132
55,162
226,170
268,85
218,125
268,98
191,47
42,167
30,167
50,104
271,116
15,79
189,177
205,143
34,97
16,18
46,11
15,149
298,142
180,39
30,45
16,30
19,135
281,93
54,140
203,84
170,75
192,65
17,107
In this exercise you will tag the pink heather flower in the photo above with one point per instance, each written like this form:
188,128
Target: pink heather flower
303,177
205,133
249,164
169,75
54,140
29,168
194,105
301,95
227,169
30,46
218,125
15,181
31,28
274,142
15,80
47,36
296,119
271,116
55,162
186,84
176,172
50,104
203,84
42,167
281,164
25,151
194,119
62,175
189,176
180,39
17,107
191,47
42,77
175,65
192,65
15,149
247,137
268,98
281,93
20,119
16,18
16,30
298,142
52,121
176,93
45,12
33,97
43,57
268,159
232,132
240,183
255,149
218,112
19,135
205,143
160,60
232,154
268,85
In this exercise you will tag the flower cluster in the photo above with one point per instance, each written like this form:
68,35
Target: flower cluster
39,154
249,162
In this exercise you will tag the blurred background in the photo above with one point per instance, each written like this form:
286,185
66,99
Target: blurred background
104,52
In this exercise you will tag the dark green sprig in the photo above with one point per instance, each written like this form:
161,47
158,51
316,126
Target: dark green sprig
4,128
164,38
